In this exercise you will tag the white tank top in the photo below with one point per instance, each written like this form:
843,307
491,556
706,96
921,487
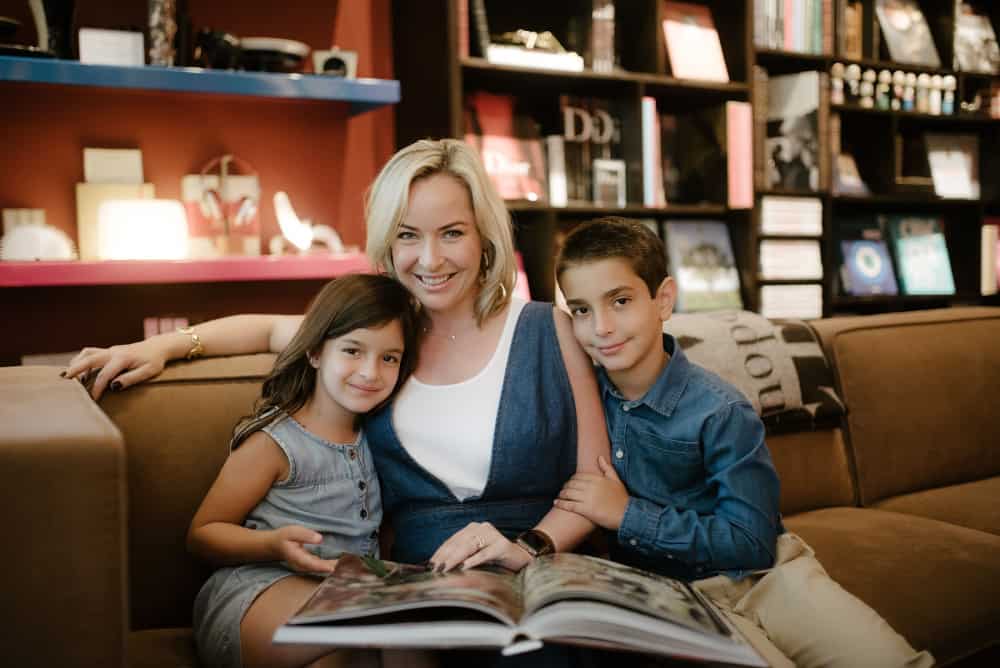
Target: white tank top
448,429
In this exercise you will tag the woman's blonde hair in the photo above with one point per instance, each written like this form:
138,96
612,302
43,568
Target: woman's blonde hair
388,199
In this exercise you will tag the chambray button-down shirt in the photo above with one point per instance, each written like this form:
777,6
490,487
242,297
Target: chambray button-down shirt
703,490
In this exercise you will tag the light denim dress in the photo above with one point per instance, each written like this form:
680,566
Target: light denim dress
331,488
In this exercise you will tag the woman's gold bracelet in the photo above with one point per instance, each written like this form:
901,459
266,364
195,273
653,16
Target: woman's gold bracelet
197,347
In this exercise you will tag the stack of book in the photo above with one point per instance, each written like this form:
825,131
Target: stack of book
789,255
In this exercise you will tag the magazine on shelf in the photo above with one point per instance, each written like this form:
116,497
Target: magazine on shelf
907,36
921,255
954,164
867,268
561,598
801,301
793,134
976,48
700,254
693,45
509,145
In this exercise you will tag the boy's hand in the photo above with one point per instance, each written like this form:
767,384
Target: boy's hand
288,544
602,499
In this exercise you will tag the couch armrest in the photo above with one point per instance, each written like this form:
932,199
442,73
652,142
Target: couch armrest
62,508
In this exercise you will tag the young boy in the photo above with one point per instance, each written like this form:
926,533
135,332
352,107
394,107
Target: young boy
692,492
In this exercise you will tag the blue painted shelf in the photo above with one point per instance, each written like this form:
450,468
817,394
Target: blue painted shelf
361,94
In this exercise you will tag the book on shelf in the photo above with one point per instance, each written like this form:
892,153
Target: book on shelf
559,598
866,268
601,54
555,162
476,10
801,26
790,259
519,56
989,276
954,164
921,255
850,29
791,216
846,176
799,301
907,35
796,127
509,145
693,45
696,157
592,131
609,183
739,154
653,194
976,48
701,259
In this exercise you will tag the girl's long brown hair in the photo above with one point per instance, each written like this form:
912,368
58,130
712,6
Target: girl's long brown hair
345,304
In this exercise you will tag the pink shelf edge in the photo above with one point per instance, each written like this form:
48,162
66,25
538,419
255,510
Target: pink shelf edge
221,270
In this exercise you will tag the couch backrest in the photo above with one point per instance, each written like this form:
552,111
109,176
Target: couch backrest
921,390
814,470
176,429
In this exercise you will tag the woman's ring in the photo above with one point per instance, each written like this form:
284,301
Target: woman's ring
480,543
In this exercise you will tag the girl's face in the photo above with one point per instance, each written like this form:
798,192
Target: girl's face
437,250
357,371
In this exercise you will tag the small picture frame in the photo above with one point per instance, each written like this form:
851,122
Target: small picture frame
609,183
336,62
913,172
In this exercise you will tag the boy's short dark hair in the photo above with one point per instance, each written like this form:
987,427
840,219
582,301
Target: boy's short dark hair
614,237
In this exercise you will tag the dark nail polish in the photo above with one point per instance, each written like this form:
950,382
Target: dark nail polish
116,386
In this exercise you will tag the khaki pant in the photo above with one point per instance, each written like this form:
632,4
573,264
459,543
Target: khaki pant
796,615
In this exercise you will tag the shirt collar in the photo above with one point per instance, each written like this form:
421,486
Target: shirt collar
663,396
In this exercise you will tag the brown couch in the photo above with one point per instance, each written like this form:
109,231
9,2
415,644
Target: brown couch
902,503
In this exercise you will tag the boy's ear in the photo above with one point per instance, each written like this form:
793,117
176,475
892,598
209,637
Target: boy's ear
666,297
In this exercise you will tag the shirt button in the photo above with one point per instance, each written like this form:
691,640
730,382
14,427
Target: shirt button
626,407
620,454
364,514
633,542
362,485
353,454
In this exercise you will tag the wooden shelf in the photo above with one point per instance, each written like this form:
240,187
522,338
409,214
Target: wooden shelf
903,199
361,94
950,119
146,272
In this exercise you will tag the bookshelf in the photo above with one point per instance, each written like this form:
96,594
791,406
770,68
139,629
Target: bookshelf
431,57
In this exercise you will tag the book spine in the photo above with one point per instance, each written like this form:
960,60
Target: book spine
823,123
463,28
988,257
556,160
760,127
739,149
649,141
826,28
478,8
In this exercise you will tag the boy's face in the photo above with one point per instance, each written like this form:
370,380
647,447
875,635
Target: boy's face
616,320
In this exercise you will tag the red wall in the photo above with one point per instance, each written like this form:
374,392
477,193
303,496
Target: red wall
303,148
308,149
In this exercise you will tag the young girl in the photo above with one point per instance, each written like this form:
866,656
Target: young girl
299,487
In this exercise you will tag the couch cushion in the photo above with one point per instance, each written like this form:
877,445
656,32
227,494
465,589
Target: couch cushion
813,468
779,365
921,391
975,505
935,583
177,429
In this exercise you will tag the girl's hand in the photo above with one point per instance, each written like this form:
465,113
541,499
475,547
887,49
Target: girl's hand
288,544
479,543
118,366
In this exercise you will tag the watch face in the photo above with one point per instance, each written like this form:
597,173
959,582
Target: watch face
534,543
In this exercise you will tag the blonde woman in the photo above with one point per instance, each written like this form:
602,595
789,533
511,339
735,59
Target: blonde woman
502,407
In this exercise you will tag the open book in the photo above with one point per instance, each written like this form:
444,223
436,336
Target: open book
564,598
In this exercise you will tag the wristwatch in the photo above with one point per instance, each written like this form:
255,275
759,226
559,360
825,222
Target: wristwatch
535,542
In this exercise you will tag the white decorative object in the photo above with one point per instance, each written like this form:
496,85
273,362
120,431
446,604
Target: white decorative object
300,233
142,229
36,242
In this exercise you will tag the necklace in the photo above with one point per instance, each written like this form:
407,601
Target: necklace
452,337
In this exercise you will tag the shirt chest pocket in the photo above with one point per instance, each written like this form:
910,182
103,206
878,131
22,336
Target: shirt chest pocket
661,469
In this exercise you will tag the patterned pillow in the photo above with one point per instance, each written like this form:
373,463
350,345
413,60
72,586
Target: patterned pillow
778,365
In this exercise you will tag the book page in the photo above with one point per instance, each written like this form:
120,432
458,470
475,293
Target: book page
355,590
563,576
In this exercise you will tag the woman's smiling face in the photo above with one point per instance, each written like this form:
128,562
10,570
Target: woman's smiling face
437,250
